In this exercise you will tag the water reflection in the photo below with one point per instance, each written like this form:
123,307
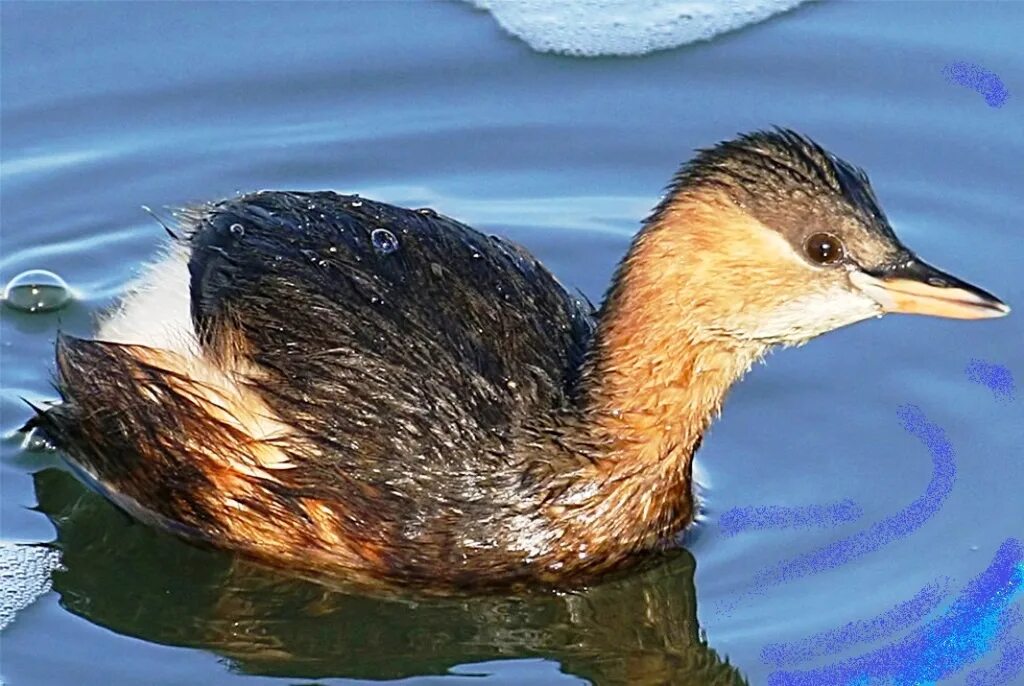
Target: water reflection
639,629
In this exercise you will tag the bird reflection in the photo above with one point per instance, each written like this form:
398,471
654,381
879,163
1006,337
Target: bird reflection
640,629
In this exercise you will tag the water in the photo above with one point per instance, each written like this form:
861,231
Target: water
384,242
36,290
106,107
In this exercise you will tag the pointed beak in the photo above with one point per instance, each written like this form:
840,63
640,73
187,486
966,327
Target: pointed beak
914,287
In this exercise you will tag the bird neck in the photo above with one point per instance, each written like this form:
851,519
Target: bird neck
657,389
655,379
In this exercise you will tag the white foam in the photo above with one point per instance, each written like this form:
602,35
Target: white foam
25,572
590,28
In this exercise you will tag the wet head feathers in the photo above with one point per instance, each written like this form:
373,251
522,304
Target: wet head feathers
791,185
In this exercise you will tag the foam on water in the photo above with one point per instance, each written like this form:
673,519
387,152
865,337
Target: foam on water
25,573
590,28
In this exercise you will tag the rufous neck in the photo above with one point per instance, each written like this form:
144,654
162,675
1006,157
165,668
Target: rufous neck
659,368
656,376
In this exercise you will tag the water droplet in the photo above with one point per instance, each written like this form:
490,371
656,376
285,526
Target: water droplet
384,242
237,230
35,441
37,290
427,211
356,203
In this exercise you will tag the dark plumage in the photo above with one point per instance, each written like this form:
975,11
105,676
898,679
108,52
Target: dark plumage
388,337
388,395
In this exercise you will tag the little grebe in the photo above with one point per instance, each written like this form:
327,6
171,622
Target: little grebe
350,388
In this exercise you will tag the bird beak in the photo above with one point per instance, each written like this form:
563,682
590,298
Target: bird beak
914,287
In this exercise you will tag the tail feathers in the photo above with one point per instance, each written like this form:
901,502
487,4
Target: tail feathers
138,429
186,446
41,429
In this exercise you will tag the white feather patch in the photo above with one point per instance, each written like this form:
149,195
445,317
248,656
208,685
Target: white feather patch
156,310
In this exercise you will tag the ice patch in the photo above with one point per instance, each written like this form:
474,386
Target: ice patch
25,575
589,28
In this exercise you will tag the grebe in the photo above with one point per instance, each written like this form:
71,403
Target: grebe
344,387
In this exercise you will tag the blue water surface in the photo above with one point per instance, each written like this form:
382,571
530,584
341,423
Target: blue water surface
105,107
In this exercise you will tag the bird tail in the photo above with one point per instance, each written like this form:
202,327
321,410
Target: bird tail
127,430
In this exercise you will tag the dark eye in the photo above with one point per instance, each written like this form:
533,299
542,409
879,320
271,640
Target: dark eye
824,248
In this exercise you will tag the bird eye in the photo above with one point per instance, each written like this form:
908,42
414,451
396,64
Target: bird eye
824,248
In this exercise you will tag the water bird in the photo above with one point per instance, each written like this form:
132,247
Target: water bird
343,387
